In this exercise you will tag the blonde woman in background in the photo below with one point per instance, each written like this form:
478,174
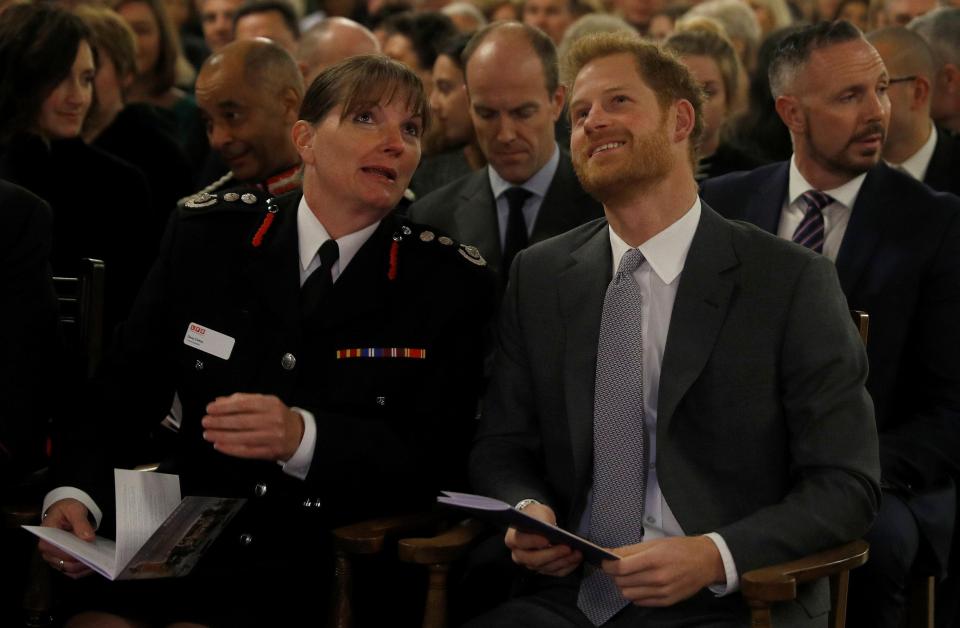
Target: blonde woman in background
710,57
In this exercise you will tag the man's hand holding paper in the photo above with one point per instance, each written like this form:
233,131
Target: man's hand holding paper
72,516
536,553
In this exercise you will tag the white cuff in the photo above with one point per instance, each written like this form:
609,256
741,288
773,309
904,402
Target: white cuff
730,567
69,492
299,464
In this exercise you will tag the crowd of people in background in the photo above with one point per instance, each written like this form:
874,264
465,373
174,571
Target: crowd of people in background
115,113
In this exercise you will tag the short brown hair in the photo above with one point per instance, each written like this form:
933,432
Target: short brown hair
112,36
359,82
669,79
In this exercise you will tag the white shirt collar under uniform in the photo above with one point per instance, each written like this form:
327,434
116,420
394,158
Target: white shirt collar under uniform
311,234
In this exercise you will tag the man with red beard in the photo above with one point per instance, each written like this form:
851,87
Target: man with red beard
896,245
670,385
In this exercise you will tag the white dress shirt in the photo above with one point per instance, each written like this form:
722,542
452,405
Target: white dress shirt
916,165
836,215
658,277
537,185
310,235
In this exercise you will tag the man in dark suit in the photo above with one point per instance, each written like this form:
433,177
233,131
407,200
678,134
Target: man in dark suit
896,245
528,192
28,331
28,362
703,413
327,357
914,144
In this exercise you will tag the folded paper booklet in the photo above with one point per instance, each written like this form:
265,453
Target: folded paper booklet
505,515
158,534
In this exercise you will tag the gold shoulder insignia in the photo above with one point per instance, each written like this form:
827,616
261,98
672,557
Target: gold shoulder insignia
201,200
472,254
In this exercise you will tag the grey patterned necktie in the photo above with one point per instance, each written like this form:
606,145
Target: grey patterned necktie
620,443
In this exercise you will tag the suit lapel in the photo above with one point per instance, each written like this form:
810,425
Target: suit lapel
869,213
476,218
766,205
582,288
559,211
703,297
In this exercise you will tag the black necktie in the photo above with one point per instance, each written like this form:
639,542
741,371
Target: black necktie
516,236
320,282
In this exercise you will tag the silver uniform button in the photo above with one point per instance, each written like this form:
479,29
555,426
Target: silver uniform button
260,489
231,197
246,539
248,198
198,365
288,361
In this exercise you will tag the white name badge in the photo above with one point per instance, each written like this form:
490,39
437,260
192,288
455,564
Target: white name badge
209,341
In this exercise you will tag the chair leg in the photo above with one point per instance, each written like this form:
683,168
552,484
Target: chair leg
839,584
435,611
38,594
759,614
920,602
342,608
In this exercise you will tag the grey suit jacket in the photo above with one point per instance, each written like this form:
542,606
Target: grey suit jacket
467,210
765,432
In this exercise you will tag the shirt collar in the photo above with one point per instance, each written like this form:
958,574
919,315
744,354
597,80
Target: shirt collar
916,165
538,184
846,194
667,251
311,234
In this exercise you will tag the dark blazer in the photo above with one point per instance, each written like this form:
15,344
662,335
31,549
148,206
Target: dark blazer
763,424
899,262
467,210
28,330
391,432
943,172
101,207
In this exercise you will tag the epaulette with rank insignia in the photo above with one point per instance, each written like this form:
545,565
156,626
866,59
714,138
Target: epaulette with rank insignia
426,235
204,202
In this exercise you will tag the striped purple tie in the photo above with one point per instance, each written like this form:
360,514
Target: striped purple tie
810,233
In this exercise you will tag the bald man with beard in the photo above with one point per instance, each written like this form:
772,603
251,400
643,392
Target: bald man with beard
249,94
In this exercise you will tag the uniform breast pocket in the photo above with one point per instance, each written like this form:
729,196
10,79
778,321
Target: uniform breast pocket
212,347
